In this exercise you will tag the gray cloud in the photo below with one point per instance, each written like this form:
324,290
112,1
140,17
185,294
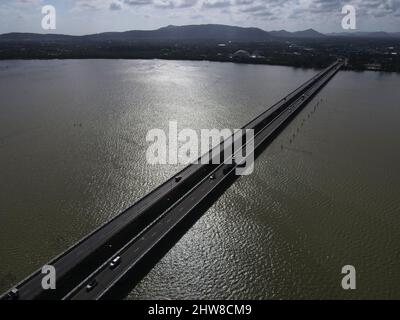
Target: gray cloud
138,2
256,8
163,4
115,6
291,14
216,3
171,4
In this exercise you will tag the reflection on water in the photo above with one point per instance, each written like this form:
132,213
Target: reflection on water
324,195
72,143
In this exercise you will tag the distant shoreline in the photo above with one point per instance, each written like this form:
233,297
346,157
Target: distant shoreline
374,51
249,62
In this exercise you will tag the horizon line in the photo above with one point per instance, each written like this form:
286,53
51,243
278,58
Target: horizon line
49,32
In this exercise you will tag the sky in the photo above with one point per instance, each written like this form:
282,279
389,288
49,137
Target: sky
93,16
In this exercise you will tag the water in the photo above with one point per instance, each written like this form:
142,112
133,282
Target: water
325,194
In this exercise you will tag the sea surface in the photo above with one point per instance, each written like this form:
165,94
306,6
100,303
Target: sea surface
325,194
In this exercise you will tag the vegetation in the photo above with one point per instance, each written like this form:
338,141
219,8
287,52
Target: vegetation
306,49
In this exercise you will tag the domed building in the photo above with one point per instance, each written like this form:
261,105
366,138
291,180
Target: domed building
241,54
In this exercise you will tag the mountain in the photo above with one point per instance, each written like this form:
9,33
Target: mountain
15,36
281,34
190,32
309,33
210,32
305,34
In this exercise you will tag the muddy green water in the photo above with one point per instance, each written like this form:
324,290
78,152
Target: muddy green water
323,195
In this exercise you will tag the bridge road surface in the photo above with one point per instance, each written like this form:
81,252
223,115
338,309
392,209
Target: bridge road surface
105,278
82,260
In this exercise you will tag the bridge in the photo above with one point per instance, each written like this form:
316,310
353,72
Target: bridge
112,259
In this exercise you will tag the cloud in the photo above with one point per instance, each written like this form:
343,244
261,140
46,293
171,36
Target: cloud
115,6
138,2
212,4
287,14
253,8
29,1
171,4
93,4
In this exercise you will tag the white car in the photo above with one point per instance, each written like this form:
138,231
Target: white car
115,262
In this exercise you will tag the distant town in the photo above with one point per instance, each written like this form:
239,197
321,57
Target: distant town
376,51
